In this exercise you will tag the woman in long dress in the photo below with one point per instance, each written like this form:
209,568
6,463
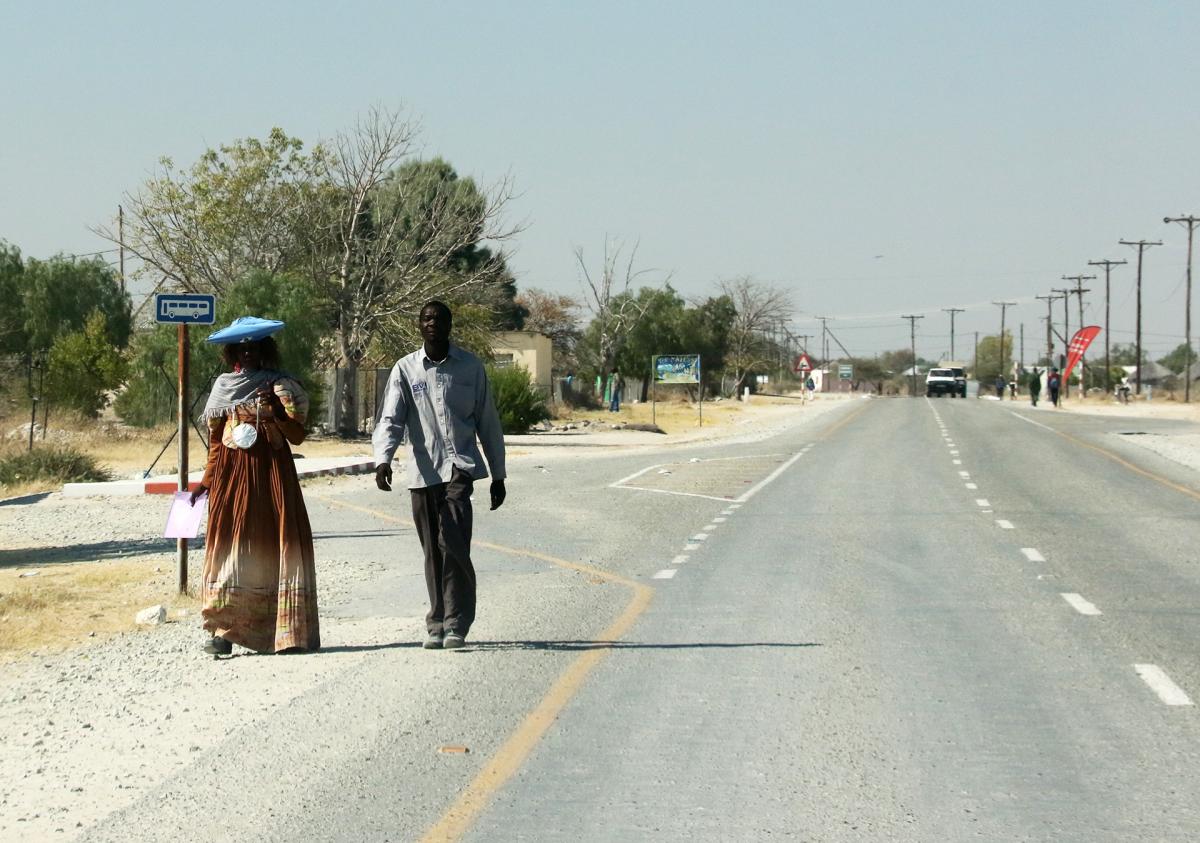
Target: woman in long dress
259,581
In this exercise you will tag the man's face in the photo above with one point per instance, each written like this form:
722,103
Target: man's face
434,324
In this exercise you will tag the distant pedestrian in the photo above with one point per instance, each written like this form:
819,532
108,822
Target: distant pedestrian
615,385
810,386
438,398
1035,386
999,384
1012,390
1053,382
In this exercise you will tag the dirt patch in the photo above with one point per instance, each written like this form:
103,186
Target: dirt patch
55,608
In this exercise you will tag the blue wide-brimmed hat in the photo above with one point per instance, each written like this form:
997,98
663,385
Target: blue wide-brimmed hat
245,329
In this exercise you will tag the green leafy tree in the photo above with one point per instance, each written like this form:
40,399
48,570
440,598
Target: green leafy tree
84,366
705,331
58,296
1180,358
988,363
149,397
13,339
658,331
249,205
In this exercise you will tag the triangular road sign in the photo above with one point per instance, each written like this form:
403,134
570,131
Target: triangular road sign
802,364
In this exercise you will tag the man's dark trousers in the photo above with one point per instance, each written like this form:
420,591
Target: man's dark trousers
443,517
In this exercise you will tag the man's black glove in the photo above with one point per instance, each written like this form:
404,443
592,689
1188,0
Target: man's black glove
498,493
383,477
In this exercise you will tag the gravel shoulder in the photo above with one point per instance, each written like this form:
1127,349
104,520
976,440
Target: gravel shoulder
91,729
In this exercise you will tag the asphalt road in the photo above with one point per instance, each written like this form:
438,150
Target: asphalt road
909,620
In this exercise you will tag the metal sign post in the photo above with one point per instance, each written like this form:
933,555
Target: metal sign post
181,563
183,309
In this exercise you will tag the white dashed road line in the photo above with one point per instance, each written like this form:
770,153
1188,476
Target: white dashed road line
964,474
1031,553
982,502
691,546
1080,605
972,485
680,559
1003,524
1161,684
665,574
699,537
719,520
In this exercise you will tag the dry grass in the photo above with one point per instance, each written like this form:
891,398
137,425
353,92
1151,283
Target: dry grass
679,416
64,603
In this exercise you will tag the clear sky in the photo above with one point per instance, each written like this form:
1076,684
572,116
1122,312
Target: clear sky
874,158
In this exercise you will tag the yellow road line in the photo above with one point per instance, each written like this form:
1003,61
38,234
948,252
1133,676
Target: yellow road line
459,817
1170,484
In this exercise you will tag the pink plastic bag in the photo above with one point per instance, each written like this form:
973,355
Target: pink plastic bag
183,521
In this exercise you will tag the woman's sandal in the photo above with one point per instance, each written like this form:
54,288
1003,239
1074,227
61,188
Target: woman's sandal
218,646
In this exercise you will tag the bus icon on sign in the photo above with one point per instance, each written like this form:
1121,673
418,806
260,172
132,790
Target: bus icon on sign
187,308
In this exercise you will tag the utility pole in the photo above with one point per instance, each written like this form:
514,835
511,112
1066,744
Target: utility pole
912,327
824,341
1022,366
952,311
1079,291
1141,246
1108,265
1190,223
1065,295
976,365
1004,306
1050,300
121,242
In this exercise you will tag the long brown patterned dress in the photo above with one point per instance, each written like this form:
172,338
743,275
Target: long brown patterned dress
260,582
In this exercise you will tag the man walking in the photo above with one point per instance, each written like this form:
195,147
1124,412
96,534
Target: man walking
439,395
1035,386
1053,382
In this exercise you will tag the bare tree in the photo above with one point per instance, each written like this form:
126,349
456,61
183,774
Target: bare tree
759,306
403,235
609,296
557,317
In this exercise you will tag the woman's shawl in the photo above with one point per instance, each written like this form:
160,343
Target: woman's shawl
238,389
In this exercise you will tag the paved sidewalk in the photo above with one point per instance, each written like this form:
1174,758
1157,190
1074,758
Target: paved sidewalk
166,484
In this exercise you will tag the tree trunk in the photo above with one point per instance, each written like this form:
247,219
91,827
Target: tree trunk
347,406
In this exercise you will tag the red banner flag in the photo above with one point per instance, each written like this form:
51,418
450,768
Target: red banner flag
1079,343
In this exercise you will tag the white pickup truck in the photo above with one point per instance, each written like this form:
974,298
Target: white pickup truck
939,381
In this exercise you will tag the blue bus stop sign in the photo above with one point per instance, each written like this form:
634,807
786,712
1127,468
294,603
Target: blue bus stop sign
185,308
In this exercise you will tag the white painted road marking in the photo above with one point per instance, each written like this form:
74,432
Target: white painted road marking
1004,525
665,574
754,490
1080,605
699,537
1032,554
691,547
709,528
719,520
727,512
954,453
957,462
680,559
964,474
982,502
1031,421
1161,684
972,485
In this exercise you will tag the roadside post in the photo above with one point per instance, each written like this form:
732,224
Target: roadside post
802,366
677,368
184,309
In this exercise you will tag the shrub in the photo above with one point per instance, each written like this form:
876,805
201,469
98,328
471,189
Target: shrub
65,465
518,401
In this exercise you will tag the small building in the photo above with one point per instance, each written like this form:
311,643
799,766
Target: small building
528,349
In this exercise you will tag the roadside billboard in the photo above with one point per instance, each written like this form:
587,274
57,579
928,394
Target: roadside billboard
677,368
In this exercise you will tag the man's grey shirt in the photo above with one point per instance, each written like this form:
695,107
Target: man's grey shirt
443,408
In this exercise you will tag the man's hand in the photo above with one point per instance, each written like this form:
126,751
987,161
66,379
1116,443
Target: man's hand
197,493
498,493
383,477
